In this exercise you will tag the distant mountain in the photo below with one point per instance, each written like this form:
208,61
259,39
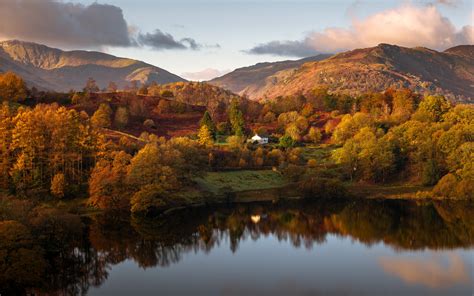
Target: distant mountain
54,69
249,80
375,69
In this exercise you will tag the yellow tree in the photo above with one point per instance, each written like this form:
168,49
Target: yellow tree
5,140
58,185
12,87
101,117
205,136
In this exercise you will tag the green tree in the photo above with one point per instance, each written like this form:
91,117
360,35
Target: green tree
209,123
287,141
236,119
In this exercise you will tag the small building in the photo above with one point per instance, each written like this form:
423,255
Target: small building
259,140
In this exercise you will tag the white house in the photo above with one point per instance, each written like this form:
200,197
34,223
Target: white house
259,140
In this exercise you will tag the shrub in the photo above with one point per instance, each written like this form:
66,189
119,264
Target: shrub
149,123
286,141
322,187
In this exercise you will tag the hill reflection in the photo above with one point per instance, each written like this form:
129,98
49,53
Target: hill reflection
62,254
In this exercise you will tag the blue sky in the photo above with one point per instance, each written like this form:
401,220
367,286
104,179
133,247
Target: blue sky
238,26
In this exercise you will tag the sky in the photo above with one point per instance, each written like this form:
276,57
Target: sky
201,39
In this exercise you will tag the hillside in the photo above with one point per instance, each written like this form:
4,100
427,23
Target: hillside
54,69
215,99
375,69
248,80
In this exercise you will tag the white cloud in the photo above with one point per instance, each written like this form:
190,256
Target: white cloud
407,25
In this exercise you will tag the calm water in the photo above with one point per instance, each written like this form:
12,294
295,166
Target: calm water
319,248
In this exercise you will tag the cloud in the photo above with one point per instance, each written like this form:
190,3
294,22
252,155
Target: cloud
407,25
429,272
448,2
284,48
160,40
206,74
73,25
64,24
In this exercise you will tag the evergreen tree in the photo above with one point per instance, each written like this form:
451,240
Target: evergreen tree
236,119
207,121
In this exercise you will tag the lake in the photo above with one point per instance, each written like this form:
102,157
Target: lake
325,247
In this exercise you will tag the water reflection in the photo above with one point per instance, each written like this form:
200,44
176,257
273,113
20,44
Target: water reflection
441,270
62,254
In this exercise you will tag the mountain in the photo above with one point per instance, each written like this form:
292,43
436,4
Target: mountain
249,80
375,69
54,69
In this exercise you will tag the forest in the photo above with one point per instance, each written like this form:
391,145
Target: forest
112,149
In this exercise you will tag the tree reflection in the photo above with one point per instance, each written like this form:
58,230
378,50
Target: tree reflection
59,253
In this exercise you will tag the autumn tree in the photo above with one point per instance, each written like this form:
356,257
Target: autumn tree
12,87
205,135
102,117
314,135
91,86
350,125
112,87
121,117
46,141
6,127
108,188
432,108
58,185
367,155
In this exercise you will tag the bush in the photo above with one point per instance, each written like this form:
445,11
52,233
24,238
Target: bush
293,172
287,141
149,123
322,187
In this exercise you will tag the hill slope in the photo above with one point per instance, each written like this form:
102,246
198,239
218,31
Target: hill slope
375,69
249,80
55,69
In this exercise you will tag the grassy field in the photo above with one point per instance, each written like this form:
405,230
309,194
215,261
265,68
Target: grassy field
390,191
238,181
321,153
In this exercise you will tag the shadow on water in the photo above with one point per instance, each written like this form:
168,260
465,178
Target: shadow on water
61,253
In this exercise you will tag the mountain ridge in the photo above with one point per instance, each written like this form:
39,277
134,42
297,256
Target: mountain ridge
424,70
248,79
55,69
